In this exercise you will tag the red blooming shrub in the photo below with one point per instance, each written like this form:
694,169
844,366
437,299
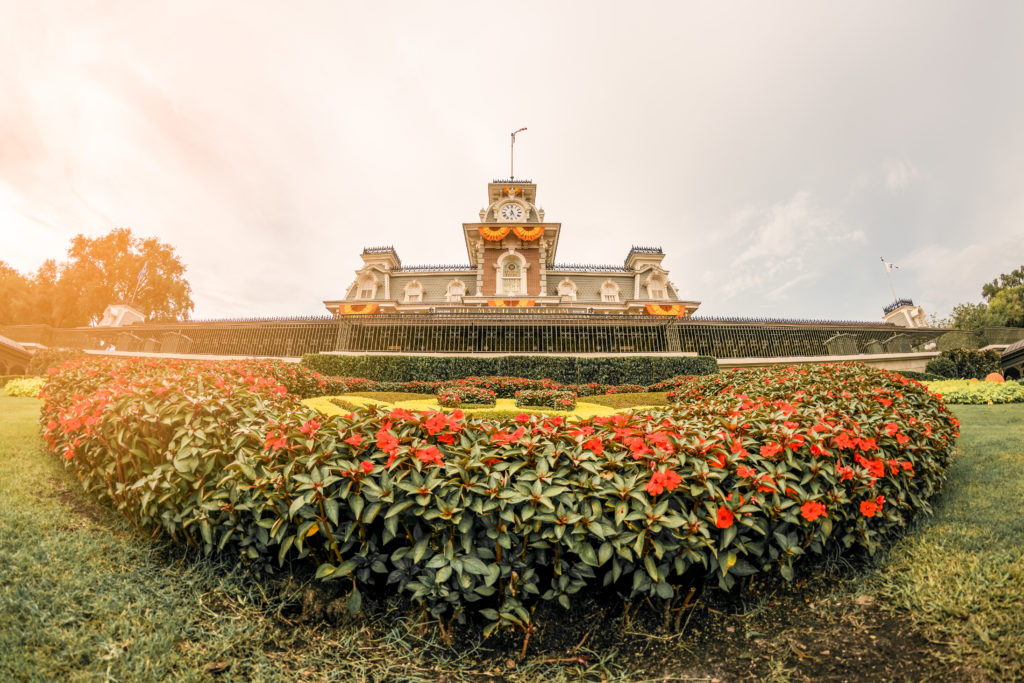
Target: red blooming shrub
546,398
454,396
751,471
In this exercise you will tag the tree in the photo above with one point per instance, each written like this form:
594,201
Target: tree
122,268
15,295
1007,305
1015,278
968,316
115,268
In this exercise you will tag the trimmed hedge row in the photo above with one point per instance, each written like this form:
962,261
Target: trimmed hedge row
562,369
454,396
751,473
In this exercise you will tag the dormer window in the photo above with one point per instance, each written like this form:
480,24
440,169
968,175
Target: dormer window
656,286
456,290
366,286
413,293
609,292
567,290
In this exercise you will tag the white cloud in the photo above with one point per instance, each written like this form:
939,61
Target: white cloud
899,175
790,243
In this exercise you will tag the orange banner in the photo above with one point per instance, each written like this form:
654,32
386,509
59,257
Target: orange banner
528,234
493,234
357,309
502,303
661,309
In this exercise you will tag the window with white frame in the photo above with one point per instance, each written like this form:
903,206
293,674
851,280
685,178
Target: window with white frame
609,292
567,290
366,287
656,286
456,290
413,292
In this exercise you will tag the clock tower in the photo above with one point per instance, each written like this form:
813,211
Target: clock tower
512,247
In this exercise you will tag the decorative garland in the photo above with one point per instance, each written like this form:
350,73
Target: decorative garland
357,309
518,303
528,234
661,309
493,234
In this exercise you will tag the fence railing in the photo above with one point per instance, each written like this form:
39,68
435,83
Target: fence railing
465,330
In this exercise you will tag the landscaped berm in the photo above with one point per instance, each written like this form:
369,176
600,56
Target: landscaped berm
254,520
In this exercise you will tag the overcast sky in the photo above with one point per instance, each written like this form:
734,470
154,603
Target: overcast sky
775,150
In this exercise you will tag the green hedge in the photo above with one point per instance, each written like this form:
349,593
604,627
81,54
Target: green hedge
965,364
920,376
564,369
44,359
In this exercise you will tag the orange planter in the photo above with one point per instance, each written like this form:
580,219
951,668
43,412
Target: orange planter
994,377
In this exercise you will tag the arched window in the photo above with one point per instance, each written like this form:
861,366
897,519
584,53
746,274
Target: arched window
567,290
511,274
656,287
366,287
456,290
413,293
609,292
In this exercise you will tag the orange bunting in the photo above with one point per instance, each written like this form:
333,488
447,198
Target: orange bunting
528,234
357,309
503,303
660,309
493,234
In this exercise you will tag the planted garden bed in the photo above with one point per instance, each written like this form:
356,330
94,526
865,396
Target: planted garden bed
750,472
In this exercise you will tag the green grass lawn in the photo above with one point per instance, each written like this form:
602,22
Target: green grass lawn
960,574
83,597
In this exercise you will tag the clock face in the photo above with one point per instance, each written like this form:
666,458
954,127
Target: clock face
511,212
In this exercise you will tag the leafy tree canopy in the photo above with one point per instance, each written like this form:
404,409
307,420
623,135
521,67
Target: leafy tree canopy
1015,278
115,268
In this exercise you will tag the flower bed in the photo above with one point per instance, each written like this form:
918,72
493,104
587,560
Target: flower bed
28,387
977,392
546,398
449,396
753,472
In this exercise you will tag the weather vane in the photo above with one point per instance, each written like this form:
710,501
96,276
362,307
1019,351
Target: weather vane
512,155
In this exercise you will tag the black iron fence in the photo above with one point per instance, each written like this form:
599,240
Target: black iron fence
468,330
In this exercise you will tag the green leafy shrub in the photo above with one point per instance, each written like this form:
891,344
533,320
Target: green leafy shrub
920,376
964,364
28,387
546,398
751,472
4,379
971,391
45,359
451,396
562,369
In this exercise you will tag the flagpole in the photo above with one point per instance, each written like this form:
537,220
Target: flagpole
889,278
512,155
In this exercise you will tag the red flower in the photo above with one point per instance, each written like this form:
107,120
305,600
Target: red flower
770,449
522,418
354,440
430,454
812,509
724,518
367,466
386,441
868,508
845,473
274,441
436,423
446,438
662,480
505,438
745,471
892,428
594,445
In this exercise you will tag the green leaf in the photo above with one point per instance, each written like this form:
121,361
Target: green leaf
296,505
355,601
651,567
331,507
